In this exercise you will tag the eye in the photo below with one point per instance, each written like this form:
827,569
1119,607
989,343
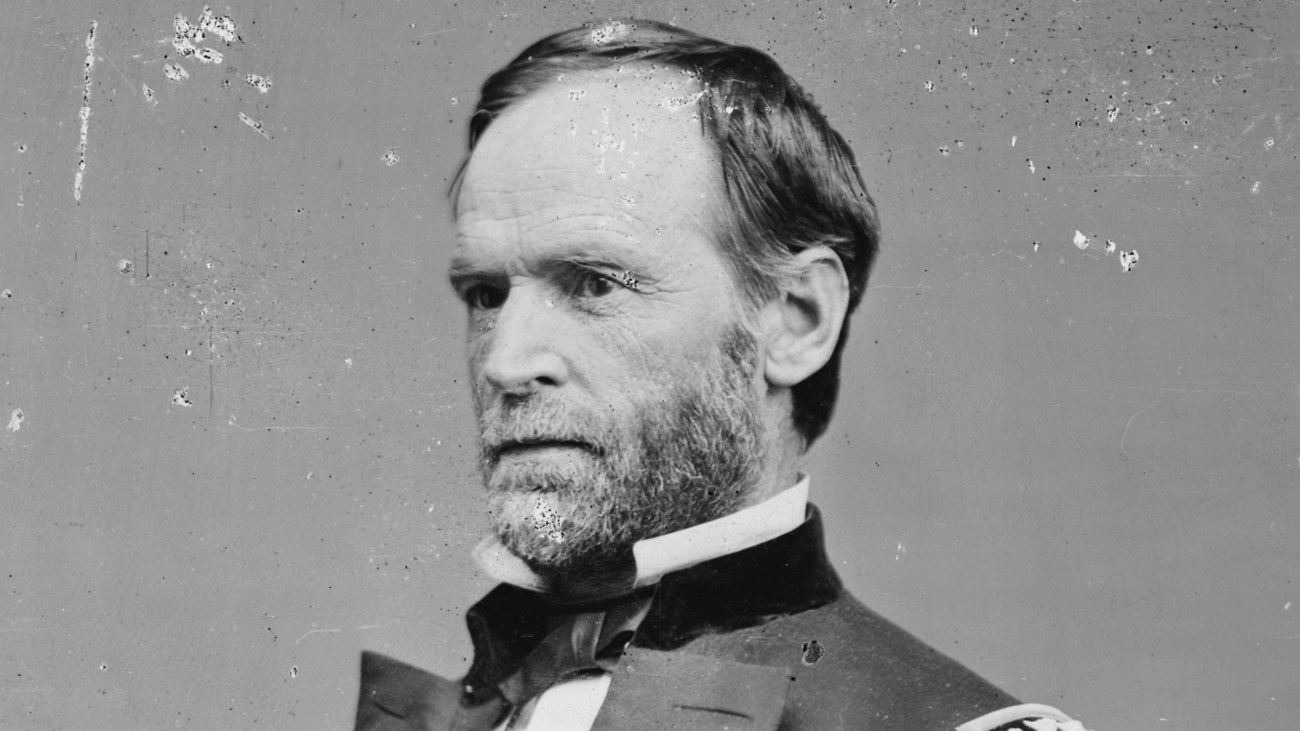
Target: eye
483,296
591,284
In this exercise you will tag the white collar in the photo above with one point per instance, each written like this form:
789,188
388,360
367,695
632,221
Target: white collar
662,555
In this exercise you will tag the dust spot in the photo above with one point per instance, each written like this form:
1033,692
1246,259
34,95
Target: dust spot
256,125
259,82
221,26
929,85
945,150
390,157
1032,169
610,32
577,94
293,671
125,266
1035,247
683,100
207,55
15,420
182,397
103,667
1110,246
1268,144
6,294
1128,260
812,652
627,280
974,30
85,113
546,519
1112,113
22,148
184,47
175,72
148,93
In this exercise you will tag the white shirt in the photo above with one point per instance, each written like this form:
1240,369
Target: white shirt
572,705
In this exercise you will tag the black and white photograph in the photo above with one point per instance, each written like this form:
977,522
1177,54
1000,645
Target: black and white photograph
901,365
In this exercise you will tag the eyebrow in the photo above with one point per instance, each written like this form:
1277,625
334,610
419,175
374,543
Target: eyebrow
621,262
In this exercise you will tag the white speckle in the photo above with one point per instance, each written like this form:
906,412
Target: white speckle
293,671
901,550
85,114
1013,140
184,46
945,150
15,420
1080,240
259,82
148,93
1287,607
1110,246
1035,246
347,363
256,125
974,30
222,26
609,33
961,144
390,157
7,293
1032,169
454,101
1268,144
1128,260
182,397
1112,113
175,73
1150,50
1254,189
929,85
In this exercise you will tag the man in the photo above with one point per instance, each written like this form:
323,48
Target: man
659,241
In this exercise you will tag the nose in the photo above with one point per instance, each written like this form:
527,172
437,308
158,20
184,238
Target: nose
520,354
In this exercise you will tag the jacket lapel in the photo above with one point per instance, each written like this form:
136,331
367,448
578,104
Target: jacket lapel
653,691
400,697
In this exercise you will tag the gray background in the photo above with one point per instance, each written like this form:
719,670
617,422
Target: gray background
250,456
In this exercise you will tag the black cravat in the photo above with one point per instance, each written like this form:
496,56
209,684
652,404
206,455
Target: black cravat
525,642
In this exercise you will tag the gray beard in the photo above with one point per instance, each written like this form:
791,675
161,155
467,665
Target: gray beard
689,453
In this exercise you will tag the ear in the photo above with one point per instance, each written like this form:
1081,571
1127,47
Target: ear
802,325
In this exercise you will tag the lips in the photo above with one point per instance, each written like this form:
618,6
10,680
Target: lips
519,447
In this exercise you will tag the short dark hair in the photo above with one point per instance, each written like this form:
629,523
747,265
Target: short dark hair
791,181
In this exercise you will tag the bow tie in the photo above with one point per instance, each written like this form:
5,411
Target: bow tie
525,642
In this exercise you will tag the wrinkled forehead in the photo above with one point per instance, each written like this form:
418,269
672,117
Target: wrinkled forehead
636,125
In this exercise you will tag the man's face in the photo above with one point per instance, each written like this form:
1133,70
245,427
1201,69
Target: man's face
616,388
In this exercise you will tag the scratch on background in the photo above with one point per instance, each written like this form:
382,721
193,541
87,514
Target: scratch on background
85,113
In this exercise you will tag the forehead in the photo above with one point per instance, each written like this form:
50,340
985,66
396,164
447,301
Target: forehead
624,143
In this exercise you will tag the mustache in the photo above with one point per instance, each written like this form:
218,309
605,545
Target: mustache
503,428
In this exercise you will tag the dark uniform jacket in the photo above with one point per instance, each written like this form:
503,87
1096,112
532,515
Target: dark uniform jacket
764,639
